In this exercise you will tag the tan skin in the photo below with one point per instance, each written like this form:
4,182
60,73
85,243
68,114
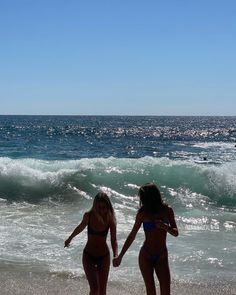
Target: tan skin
96,246
155,242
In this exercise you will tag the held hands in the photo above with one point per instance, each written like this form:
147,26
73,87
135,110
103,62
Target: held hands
116,261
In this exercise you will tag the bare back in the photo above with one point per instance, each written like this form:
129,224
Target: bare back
155,238
97,235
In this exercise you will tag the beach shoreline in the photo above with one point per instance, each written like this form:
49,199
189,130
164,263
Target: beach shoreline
29,283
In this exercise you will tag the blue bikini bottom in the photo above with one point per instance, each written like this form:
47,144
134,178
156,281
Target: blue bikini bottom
154,258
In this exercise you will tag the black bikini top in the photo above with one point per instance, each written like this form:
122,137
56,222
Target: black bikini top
91,231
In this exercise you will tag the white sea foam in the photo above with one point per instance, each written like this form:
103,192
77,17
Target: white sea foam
33,228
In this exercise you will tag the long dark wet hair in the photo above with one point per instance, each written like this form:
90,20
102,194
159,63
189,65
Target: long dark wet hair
103,197
150,199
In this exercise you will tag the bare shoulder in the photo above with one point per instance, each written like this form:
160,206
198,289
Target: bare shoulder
172,222
170,210
171,215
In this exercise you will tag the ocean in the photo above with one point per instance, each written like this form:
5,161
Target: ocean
51,167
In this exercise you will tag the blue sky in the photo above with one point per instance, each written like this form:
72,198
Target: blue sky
168,57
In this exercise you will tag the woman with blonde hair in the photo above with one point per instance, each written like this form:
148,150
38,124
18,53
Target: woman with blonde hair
96,255
157,219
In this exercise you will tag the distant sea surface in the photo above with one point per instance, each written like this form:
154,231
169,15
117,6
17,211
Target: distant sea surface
52,166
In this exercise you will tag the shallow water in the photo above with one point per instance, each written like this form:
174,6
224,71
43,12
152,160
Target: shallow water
51,168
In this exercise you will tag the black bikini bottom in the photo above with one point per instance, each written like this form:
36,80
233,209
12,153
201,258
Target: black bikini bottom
154,258
95,260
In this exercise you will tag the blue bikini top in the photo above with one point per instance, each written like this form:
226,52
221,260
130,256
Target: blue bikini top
149,226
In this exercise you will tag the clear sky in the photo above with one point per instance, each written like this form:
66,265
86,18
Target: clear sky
118,57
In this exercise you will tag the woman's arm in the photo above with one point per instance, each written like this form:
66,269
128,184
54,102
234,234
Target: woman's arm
78,229
172,228
129,240
114,244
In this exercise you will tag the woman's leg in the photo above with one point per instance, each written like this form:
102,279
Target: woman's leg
91,274
163,274
103,272
147,271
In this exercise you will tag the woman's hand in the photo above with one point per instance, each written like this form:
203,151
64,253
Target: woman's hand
116,261
161,225
67,243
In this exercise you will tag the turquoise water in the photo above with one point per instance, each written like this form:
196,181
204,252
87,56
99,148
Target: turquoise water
51,167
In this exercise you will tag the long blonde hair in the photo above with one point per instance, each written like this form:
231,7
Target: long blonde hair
103,197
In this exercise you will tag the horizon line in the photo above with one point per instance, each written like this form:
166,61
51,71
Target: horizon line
113,115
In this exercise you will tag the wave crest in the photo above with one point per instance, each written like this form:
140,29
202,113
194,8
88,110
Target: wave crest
33,180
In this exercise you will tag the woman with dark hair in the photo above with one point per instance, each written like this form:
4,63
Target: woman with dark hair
96,256
158,220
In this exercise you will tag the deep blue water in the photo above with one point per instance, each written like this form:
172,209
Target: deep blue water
76,137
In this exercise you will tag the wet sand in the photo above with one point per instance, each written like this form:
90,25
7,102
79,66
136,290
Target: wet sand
20,283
